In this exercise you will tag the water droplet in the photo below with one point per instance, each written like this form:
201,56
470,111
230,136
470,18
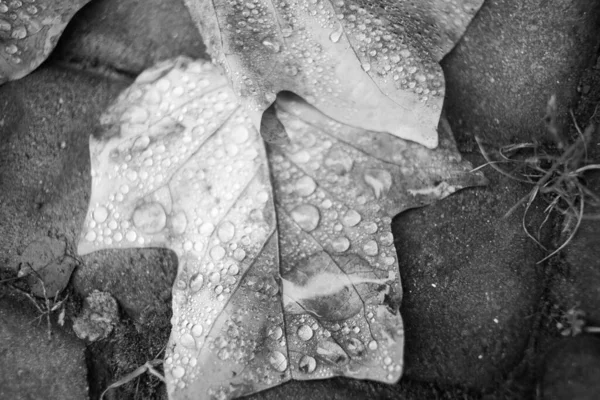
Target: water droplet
206,229
306,216
179,223
379,180
32,10
150,217
370,248
305,332
234,269
217,253
351,218
366,67
3,8
100,214
131,236
340,244
196,282
178,372
338,161
239,254
215,277
332,352
226,231
140,143
355,347
370,227
336,34
11,49
278,361
307,364
90,236
373,345
387,360
305,186
262,197
19,32
197,330
188,341
275,332
272,45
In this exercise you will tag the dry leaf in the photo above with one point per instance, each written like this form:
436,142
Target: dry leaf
29,30
287,266
368,65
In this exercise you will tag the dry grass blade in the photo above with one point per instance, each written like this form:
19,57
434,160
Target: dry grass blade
147,367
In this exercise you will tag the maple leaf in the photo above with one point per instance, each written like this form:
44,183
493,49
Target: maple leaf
29,30
287,266
372,65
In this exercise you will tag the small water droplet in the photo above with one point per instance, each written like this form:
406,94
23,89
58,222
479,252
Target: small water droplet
275,332
336,34
272,45
366,67
206,229
305,332
306,216
90,236
307,364
131,236
239,254
217,253
215,277
197,330
387,360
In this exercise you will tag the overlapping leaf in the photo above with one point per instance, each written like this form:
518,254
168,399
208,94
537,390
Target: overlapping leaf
287,267
371,65
29,30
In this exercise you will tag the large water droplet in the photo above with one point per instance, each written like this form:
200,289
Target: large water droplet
275,332
196,282
305,332
305,186
340,244
370,248
226,231
179,223
100,214
351,218
306,216
20,32
187,340
278,361
197,330
379,180
178,372
150,217
217,253
336,34
307,364
338,161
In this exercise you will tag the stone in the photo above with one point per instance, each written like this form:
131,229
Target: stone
571,370
31,366
97,319
513,57
130,35
470,280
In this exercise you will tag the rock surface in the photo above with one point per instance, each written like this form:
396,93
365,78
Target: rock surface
31,367
572,369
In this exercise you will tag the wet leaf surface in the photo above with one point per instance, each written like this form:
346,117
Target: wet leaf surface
29,30
287,266
373,65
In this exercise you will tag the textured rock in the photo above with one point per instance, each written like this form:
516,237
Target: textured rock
572,369
470,281
130,35
31,367
512,58
45,121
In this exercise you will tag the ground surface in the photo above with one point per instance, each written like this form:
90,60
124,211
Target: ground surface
480,314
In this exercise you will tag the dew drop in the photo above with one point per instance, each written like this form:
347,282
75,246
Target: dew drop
306,216
366,67
178,372
196,282
206,229
240,134
90,236
272,45
305,332
197,330
100,214
351,218
340,244
275,332
379,180
305,186
307,364
373,345
370,227
150,217
179,223
20,32
217,253
226,231
187,340
131,236
278,361
336,34
239,254
370,248
11,48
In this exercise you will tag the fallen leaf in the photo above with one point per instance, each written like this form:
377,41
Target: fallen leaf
365,64
287,266
29,30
